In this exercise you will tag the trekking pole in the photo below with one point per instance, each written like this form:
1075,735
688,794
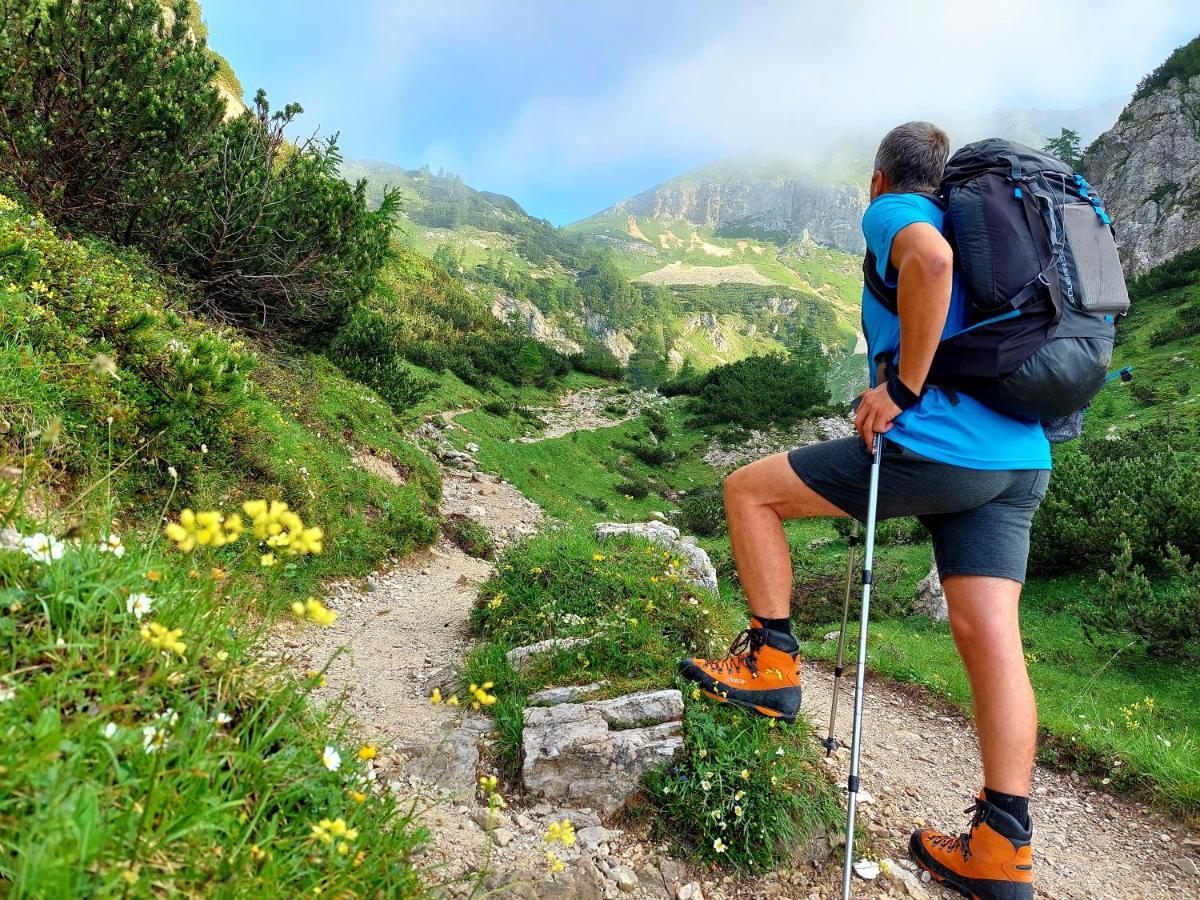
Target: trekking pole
855,741
831,743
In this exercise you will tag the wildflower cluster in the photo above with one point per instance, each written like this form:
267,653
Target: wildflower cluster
335,833
204,529
562,833
315,611
481,695
436,698
165,639
282,529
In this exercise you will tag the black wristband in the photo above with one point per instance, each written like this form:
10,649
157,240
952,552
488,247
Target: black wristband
900,393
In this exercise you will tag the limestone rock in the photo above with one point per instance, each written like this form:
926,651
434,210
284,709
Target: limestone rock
1146,168
556,695
582,754
626,878
518,656
449,759
699,568
931,600
689,891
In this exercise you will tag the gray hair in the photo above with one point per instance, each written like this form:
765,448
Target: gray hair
912,157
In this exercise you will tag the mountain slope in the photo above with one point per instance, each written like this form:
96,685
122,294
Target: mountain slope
1147,165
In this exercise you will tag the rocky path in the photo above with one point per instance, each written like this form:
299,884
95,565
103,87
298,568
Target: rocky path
586,411
920,767
401,632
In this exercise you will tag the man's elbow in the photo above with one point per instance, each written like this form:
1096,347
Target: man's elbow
936,265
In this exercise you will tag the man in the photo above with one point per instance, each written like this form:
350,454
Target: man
973,476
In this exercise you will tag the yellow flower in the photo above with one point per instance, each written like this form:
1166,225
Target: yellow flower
488,783
257,852
745,773
536,570
436,697
563,832
298,609
217,573
739,795
281,528
366,751
453,701
153,575
319,612
313,673
495,602
553,863
598,557
202,529
267,560
633,622
162,638
481,695
357,796
695,693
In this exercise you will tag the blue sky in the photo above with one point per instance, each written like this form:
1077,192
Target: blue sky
570,106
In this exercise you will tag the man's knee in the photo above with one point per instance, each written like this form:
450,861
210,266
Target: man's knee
737,488
983,611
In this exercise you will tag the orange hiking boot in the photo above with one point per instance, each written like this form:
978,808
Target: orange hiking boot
992,861
760,673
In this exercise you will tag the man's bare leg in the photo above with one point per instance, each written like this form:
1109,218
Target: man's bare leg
759,497
986,627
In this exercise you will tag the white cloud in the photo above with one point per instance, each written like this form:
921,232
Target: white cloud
787,76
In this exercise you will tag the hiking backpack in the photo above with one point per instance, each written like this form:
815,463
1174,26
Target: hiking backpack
1037,257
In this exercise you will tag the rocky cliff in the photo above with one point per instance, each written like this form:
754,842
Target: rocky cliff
1147,169
773,205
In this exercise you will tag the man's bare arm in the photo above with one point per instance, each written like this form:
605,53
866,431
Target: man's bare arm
925,264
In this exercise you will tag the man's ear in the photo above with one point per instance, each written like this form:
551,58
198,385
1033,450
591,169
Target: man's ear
879,183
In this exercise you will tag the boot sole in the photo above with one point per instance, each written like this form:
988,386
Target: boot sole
975,888
764,711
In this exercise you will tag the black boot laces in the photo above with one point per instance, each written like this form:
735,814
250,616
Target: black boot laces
743,650
962,843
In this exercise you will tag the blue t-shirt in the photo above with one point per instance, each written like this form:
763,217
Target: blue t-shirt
969,434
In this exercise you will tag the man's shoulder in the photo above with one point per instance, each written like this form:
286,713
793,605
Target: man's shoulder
906,208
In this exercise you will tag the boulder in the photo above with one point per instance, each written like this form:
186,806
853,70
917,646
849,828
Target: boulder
591,754
450,757
699,569
931,600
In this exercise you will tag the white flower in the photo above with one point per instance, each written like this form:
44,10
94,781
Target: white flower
153,738
719,845
170,716
779,751
171,471
204,448
109,730
176,346
43,547
112,544
331,759
6,693
139,604
223,718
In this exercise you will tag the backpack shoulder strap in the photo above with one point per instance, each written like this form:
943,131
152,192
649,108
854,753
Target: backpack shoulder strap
882,291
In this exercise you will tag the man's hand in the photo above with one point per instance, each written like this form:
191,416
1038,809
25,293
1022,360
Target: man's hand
874,414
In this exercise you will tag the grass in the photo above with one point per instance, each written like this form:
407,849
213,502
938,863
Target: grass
131,770
627,596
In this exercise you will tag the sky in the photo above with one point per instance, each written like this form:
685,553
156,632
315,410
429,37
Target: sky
571,105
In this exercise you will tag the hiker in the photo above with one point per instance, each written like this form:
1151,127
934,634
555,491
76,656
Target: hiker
972,475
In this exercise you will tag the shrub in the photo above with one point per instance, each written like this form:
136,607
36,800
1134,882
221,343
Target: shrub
1144,487
596,359
633,485
103,115
762,390
1163,618
366,349
702,512
650,454
269,230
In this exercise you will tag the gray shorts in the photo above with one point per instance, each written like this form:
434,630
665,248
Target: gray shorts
979,519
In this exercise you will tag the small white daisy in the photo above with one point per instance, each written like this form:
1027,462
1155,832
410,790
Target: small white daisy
43,547
139,604
109,730
153,738
331,759
170,716
223,718
112,544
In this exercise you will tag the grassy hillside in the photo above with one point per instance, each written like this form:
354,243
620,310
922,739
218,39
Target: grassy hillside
117,408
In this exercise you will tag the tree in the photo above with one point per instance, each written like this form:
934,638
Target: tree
1066,147
104,108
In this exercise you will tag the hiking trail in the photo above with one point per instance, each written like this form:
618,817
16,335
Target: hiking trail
401,632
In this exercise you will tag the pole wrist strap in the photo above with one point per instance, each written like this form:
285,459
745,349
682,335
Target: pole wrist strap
899,391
